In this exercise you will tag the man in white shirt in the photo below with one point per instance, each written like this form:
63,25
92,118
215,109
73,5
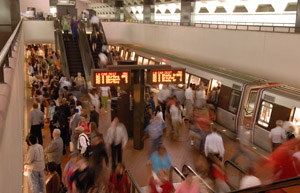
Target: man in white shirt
117,139
189,101
105,94
162,97
175,112
214,144
103,60
277,135
83,140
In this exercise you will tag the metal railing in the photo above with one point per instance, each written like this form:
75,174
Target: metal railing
184,167
133,185
242,26
85,50
291,182
104,42
6,51
235,175
177,171
61,46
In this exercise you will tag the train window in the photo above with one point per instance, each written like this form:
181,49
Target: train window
140,60
195,80
265,114
126,55
162,63
122,53
251,103
214,83
234,101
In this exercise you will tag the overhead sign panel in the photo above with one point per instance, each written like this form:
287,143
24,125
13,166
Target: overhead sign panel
110,78
174,76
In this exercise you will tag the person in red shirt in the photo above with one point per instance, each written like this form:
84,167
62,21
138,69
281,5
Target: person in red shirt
118,180
159,183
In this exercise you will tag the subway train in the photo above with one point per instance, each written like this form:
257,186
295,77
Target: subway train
244,100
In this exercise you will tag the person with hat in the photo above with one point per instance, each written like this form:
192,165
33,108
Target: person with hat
83,140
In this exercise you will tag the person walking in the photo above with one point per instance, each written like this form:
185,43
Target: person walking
94,100
54,151
65,27
74,121
94,116
36,165
277,135
105,94
74,27
189,102
36,120
117,139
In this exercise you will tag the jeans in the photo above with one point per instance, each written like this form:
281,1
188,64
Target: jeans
36,182
36,130
116,151
202,135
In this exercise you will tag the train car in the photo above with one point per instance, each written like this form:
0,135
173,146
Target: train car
243,100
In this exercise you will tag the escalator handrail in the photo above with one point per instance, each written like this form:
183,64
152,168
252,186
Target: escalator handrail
178,172
101,31
133,182
273,186
235,166
85,50
202,180
63,56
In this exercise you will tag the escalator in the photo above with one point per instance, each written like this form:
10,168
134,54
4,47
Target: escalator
97,50
73,56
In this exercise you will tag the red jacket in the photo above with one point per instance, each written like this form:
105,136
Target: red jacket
121,187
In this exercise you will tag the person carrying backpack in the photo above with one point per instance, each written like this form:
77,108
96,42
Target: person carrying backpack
83,144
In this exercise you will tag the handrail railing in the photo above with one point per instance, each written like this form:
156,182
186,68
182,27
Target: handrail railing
235,166
85,50
273,186
201,179
63,56
177,171
6,51
134,185
238,26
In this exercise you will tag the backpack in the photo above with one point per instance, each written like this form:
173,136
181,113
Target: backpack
88,152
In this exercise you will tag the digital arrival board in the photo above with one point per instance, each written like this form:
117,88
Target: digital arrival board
110,78
172,76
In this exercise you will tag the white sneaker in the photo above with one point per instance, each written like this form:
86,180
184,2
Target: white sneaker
192,142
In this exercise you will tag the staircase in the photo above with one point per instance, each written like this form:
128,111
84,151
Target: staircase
73,57
96,52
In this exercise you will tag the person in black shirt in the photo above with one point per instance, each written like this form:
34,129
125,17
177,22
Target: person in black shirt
94,116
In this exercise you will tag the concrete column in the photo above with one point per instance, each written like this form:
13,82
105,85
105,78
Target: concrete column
187,7
298,17
149,11
119,15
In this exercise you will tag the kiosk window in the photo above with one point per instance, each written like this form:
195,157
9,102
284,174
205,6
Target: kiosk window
145,62
265,114
251,103
234,101
296,119
140,60
195,80
187,76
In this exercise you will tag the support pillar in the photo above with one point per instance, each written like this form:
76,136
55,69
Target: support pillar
149,11
138,108
187,7
297,25
119,15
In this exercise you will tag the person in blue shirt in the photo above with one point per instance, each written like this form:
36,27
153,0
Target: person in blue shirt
151,101
160,160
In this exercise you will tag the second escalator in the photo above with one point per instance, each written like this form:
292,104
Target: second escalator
73,56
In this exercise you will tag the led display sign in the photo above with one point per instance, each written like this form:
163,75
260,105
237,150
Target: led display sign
168,76
110,78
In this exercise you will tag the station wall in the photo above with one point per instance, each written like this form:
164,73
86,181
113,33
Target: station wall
40,5
38,31
272,56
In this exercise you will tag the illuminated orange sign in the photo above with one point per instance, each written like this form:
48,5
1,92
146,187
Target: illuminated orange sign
111,78
167,76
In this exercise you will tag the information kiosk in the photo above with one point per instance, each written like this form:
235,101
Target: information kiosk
131,78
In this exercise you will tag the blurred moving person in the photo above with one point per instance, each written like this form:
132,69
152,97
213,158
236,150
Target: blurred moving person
105,95
155,131
116,138
176,119
160,159
159,183
249,180
118,180
189,102
277,135
188,185
162,97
